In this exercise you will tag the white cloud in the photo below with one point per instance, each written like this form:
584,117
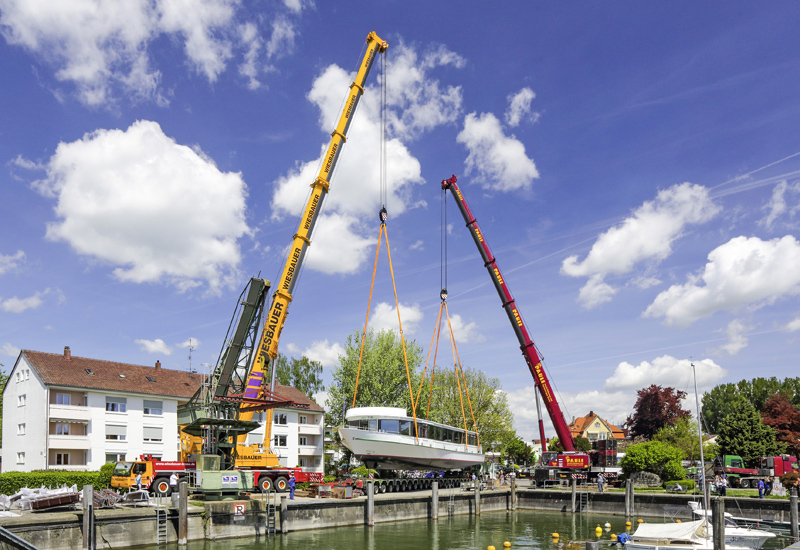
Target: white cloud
18,305
8,263
499,162
154,209
194,343
249,67
742,272
384,317
519,107
647,235
417,103
463,331
793,325
664,371
325,353
9,350
102,46
737,338
419,245
154,346
596,292
776,205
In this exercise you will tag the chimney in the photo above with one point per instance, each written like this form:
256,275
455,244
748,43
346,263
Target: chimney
158,366
67,354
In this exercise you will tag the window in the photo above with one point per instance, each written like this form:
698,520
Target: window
152,434
114,457
316,462
258,416
21,400
62,459
62,429
20,429
153,407
122,375
303,440
280,419
151,379
89,371
117,404
116,433
27,374
63,399
302,462
280,441
20,458
303,419
389,426
19,376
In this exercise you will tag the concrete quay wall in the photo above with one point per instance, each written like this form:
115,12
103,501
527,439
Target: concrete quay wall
128,528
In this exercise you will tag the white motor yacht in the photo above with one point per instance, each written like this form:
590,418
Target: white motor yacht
387,438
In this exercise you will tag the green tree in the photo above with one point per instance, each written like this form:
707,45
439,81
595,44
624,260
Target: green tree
489,406
682,435
743,433
519,452
653,456
581,444
718,403
303,374
382,380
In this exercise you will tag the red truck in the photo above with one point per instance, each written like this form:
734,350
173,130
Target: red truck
156,473
733,467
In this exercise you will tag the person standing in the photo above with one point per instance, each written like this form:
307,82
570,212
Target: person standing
760,488
291,486
173,482
138,482
600,483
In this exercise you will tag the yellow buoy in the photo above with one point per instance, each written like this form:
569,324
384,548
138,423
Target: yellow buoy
613,536
555,535
490,548
677,521
598,531
506,544
640,520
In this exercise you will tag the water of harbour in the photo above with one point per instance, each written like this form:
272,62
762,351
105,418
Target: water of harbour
523,529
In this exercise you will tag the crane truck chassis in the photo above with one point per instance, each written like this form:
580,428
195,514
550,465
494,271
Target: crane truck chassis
156,473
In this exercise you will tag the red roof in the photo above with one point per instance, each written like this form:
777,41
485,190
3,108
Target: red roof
298,397
80,372
579,425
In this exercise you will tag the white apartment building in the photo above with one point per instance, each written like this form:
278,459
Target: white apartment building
74,413
297,431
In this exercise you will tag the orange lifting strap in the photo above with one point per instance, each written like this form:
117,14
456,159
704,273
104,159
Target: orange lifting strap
459,372
384,232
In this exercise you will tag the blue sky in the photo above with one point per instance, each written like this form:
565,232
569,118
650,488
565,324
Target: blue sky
635,168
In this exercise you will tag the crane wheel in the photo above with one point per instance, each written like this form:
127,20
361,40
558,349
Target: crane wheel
265,484
161,486
744,483
281,484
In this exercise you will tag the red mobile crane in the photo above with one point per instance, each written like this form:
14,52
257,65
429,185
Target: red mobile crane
571,458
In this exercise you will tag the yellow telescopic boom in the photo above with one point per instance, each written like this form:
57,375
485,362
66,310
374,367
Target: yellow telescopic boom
282,295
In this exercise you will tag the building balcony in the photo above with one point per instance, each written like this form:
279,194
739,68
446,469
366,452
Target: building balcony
72,467
70,412
309,450
309,429
69,442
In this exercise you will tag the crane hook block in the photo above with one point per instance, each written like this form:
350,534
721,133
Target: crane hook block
383,215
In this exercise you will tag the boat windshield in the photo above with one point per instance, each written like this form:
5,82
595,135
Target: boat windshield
122,469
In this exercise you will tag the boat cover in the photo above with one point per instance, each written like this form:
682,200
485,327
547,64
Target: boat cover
690,531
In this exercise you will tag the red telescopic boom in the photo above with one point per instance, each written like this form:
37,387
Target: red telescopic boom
526,344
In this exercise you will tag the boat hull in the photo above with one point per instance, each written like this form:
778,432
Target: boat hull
390,451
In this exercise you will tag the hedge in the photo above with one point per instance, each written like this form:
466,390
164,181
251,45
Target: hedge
12,482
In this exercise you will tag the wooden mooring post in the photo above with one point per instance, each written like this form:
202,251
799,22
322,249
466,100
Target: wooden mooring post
88,517
435,500
284,520
477,497
183,513
574,495
629,498
793,516
718,522
513,493
370,503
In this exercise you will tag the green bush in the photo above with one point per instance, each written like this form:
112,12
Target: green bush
363,471
12,482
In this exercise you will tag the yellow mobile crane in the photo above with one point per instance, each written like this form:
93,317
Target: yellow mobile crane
218,417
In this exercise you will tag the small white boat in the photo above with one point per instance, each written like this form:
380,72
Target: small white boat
386,438
738,535
691,535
